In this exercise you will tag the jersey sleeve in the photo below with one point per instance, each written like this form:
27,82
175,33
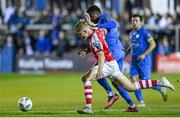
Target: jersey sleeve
106,22
148,35
108,25
96,44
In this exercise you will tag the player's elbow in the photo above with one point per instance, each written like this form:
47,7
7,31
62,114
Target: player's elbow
153,45
100,54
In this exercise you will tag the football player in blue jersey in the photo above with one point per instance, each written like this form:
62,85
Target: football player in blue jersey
101,20
142,44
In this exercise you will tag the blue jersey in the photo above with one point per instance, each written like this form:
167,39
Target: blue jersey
139,43
112,36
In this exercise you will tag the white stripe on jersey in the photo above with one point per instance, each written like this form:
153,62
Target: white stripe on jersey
95,37
96,43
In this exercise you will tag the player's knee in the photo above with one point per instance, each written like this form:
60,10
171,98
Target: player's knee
130,89
83,78
133,80
114,84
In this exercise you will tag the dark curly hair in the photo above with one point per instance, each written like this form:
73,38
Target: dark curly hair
94,12
94,8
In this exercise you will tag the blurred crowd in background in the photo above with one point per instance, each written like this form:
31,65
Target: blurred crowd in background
35,27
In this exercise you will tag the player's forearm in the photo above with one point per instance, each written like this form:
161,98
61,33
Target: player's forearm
152,45
101,60
128,49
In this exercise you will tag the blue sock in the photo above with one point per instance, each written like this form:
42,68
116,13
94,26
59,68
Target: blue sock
138,95
158,88
103,82
124,94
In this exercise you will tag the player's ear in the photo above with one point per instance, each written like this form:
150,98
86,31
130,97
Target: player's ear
85,31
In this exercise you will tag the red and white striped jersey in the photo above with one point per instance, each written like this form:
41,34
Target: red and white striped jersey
97,43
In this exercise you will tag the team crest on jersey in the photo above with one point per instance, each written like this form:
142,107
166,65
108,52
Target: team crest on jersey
97,45
150,36
137,36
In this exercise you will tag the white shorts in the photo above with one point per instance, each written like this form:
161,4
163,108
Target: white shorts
110,68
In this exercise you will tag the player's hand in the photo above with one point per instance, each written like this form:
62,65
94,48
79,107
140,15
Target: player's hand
88,19
141,57
82,53
92,24
99,74
104,31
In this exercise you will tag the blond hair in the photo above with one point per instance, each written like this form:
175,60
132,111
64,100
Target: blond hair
80,25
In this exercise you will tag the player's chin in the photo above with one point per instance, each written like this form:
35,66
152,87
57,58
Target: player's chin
83,38
135,26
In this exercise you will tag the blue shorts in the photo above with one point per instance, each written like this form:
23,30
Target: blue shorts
120,63
142,69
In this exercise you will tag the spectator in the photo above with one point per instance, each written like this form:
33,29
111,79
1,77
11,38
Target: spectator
71,21
152,20
45,17
164,47
9,41
61,44
8,12
3,42
28,44
14,23
43,44
56,29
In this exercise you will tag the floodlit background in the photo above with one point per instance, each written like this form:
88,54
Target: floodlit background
50,74
25,22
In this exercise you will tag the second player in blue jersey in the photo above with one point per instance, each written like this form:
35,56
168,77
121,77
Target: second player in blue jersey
142,43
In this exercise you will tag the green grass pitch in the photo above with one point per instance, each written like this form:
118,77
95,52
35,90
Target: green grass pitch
62,94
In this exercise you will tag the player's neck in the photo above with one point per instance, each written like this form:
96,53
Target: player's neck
137,28
90,33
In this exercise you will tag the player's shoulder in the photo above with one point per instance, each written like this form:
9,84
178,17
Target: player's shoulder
131,32
104,16
144,30
97,33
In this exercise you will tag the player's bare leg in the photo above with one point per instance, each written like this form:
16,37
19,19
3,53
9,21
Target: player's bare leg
86,78
121,80
141,84
138,93
131,107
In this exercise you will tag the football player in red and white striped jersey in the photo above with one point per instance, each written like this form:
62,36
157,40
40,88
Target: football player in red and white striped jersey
107,66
